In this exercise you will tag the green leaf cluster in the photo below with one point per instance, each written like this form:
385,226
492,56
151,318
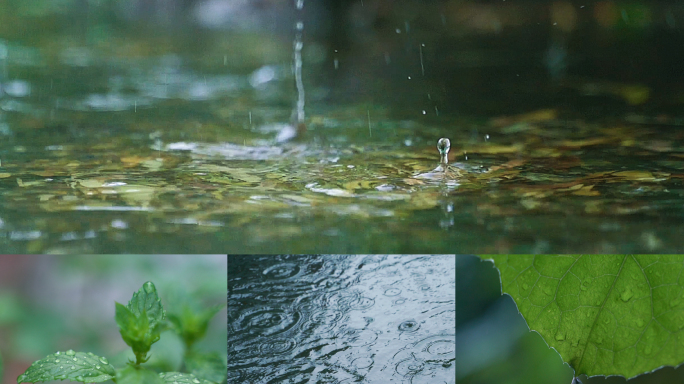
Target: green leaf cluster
604,314
140,324
139,321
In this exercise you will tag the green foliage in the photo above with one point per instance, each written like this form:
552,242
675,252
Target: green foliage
191,324
604,314
74,366
139,321
181,378
140,324
208,366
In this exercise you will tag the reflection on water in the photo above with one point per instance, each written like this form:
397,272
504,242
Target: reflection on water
341,319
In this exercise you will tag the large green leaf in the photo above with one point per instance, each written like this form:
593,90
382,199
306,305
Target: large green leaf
70,365
605,314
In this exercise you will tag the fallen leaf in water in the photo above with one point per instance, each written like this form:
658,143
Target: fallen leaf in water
586,191
636,175
357,184
530,117
585,142
508,164
496,149
91,183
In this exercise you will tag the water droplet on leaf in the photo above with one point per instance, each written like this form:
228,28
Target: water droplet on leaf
149,287
560,336
626,294
104,360
70,352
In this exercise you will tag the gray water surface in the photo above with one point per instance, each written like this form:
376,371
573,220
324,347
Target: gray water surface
341,319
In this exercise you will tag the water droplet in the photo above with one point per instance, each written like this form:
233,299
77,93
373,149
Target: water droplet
674,302
639,323
70,352
525,286
57,361
560,336
104,360
392,292
75,359
97,367
149,287
195,381
626,294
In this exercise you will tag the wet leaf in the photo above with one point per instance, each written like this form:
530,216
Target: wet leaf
604,314
69,365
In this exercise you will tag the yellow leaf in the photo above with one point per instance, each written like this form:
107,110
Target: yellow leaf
586,191
636,175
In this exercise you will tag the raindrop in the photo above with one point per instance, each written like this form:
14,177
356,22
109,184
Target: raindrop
149,287
195,381
409,326
57,361
70,352
97,367
104,360
392,292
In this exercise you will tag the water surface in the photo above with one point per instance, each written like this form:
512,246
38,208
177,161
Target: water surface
341,319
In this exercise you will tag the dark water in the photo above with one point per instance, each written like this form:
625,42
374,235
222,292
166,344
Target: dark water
156,126
341,319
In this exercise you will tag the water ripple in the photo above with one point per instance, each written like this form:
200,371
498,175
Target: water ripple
266,321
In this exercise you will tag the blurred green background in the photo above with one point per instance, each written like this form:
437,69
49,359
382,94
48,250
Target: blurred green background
56,303
494,345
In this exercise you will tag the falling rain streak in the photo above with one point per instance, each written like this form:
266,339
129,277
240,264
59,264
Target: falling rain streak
298,44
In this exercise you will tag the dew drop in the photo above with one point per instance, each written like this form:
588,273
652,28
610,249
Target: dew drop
75,359
97,367
195,381
149,287
57,361
70,352
57,353
626,294
525,286
104,360
560,336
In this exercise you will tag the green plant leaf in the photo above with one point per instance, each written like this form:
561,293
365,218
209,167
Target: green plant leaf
191,324
69,365
147,301
139,321
604,314
137,375
181,378
209,366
